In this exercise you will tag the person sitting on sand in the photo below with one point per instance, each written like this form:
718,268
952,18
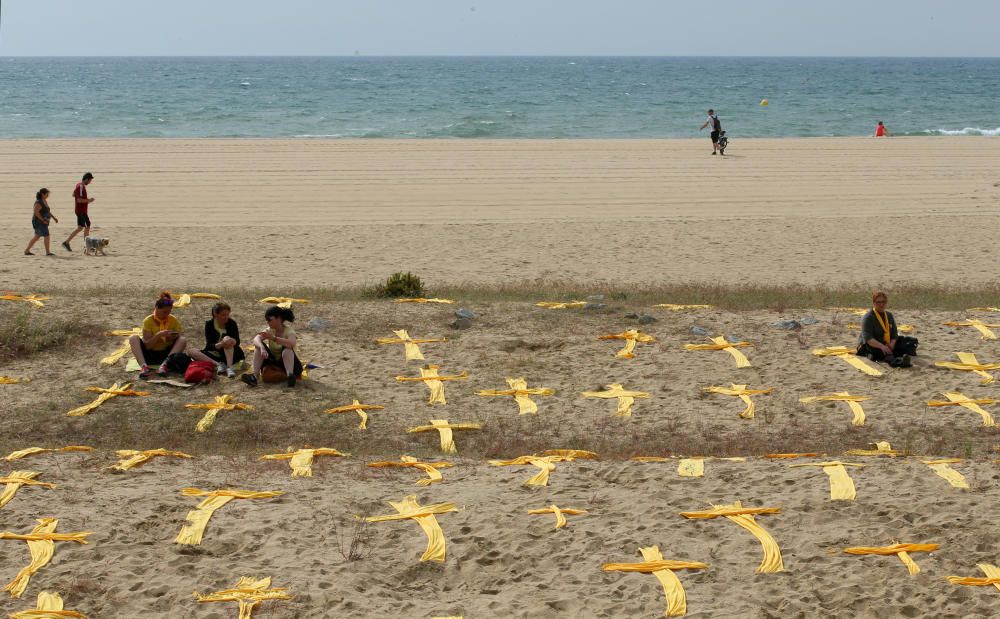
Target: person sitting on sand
161,337
880,340
881,131
40,222
222,339
275,346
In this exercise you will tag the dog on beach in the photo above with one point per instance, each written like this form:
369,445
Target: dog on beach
95,245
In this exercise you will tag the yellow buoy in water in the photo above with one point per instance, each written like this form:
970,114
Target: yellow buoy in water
764,102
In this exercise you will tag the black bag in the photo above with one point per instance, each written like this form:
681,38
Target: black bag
178,362
906,345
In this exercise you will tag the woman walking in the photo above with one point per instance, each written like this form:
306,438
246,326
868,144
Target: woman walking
40,222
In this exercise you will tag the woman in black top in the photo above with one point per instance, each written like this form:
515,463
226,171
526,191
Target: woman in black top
222,339
40,216
880,339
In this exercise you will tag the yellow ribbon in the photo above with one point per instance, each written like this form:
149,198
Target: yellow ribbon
249,592
900,550
520,392
655,564
625,398
435,383
742,393
408,509
850,356
445,429
744,517
197,519
852,401
41,545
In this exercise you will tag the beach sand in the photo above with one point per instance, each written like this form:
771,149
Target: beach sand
501,561
217,214
347,212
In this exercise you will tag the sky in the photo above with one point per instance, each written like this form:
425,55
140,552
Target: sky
499,27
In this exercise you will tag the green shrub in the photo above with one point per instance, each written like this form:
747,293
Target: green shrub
401,285
29,332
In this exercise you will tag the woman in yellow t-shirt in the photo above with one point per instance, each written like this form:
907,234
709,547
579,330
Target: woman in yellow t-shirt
161,337
276,346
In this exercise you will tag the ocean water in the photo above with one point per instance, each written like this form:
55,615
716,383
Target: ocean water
496,97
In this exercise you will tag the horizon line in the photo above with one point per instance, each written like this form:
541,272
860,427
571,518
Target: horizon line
360,55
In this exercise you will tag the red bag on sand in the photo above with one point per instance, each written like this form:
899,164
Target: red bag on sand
199,372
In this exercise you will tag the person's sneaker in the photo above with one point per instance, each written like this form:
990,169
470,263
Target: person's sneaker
66,245
290,381
162,370
905,362
230,372
220,369
145,372
249,379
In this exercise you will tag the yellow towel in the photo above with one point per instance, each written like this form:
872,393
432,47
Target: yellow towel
841,484
521,393
742,393
105,394
33,299
435,383
7,380
957,399
422,300
249,592
744,517
721,343
850,356
431,468
882,448
560,513
221,403
654,563
445,429
674,307
992,577
133,458
945,472
197,519
302,459
411,348
14,481
359,408
852,401
631,336
185,299
978,325
560,305
41,545
900,550
31,451
967,362
408,508
285,302
49,606
625,398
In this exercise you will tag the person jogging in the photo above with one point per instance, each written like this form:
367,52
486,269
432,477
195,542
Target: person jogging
82,201
714,122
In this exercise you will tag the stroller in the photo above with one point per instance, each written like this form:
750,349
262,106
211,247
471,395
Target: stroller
723,142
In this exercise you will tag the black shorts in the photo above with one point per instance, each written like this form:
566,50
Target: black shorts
83,220
715,137
220,355
154,357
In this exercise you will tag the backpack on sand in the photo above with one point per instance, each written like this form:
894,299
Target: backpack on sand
199,372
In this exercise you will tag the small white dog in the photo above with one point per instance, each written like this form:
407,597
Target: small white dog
95,245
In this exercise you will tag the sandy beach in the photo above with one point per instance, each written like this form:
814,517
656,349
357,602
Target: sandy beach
201,215
347,212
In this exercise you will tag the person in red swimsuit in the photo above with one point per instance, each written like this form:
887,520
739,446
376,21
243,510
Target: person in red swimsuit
881,131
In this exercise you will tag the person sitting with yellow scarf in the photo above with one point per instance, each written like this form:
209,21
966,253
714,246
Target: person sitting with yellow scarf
880,341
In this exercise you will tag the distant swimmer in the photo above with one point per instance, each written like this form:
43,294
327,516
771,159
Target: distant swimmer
716,125
881,131
82,201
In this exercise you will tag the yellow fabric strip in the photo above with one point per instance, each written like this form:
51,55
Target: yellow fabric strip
841,484
105,394
408,508
992,577
133,458
631,336
560,513
33,299
41,545
883,321
625,398
674,307
849,355
119,352
978,325
357,407
444,429
560,305
285,302
957,399
900,550
301,460
744,517
197,519
518,389
17,479
654,564
691,467
882,448
31,451
249,592
411,348
422,300
48,606
221,403
743,394
943,470
852,401
431,468
435,383
721,343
